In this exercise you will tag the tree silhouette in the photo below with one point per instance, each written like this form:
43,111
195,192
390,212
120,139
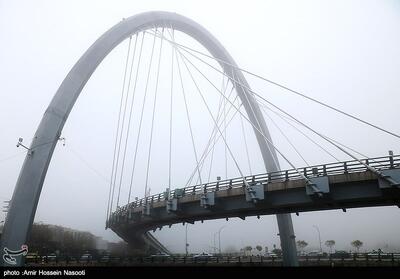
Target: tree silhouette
357,244
259,248
302,244
248,248
330,244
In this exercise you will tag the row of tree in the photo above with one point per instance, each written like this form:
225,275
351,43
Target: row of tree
301,244
45,239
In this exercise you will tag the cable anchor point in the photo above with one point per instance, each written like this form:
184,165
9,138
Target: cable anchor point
20,140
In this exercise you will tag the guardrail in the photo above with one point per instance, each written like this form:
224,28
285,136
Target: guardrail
379,163
362,259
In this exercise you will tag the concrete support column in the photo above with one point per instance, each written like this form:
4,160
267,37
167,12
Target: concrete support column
288,240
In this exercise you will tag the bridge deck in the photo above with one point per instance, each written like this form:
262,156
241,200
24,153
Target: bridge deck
345,185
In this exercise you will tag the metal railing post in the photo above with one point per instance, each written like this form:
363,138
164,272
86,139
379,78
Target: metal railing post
391,161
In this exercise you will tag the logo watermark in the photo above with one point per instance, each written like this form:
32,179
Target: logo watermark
9,255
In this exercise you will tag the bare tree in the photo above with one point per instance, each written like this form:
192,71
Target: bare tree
330,244
301,244
357,244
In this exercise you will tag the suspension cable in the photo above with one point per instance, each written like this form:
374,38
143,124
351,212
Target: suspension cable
213,136
224,122
287,139
256,128
132,103
267,141
130,115
197,168
210,140
170,117
284,118
13,156
209,111
141,113
208,149
112,185
245,142
324,137
226,153
121,136
327,139
185,48
188,117
152,120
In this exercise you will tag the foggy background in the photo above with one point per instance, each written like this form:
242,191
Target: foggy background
345,53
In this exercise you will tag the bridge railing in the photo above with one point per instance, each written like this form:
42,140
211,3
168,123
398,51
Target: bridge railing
342,259
379,163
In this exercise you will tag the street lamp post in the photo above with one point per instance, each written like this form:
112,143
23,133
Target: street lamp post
186,241
219,238
215,244
319,237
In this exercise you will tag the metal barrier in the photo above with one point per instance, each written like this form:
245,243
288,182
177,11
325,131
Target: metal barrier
360,259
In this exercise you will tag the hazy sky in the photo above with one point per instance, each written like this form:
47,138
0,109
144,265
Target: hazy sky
345,53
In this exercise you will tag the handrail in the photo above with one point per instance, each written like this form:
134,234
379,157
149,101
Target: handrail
353,166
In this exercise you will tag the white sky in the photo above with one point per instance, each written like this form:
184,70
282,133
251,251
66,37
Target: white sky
344,53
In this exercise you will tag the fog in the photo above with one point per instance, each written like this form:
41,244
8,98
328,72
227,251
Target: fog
344,53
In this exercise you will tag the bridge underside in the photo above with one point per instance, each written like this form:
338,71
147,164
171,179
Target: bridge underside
141,242
351,190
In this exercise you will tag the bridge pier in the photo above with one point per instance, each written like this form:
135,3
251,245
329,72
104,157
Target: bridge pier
288,239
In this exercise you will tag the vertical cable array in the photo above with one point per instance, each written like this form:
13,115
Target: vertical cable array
188,118
205,159
141,114
170,116
152,119
123,121
245,141
112,182
131,107
209,111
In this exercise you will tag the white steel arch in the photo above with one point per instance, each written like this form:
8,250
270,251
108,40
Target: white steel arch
30,181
